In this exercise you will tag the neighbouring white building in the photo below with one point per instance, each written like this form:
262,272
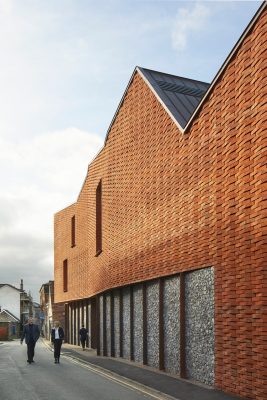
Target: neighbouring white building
10,299
16,301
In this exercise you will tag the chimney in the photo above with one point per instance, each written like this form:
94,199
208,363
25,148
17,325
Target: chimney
21,285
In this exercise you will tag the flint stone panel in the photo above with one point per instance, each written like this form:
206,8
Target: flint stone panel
73,324
76,323
199,325
138,323
171,320
126,323
153,324
101,324
70,320
108,324
78,319
89,325
85,318
117,323
70,324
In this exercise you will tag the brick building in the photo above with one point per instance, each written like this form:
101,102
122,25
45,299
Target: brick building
163,256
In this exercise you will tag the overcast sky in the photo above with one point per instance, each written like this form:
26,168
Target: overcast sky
64,66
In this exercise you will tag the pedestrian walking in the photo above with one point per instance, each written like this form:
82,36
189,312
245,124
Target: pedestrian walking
83,336
31,334
57,336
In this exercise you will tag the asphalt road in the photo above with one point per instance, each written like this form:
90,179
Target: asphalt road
45,380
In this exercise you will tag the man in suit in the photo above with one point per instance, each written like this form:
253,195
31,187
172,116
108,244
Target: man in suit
57,336
31,334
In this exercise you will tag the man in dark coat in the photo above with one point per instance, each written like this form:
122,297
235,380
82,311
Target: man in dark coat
31,334
83,336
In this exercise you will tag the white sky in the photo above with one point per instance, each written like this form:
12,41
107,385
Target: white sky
64,66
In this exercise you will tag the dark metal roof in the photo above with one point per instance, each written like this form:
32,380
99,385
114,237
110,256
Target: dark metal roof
180,96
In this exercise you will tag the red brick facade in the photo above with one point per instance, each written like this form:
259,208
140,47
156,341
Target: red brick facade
175,202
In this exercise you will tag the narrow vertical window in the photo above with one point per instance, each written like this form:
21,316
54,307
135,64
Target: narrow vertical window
73,231
65,275
99,218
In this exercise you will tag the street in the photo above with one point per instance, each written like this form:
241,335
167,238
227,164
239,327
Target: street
68,380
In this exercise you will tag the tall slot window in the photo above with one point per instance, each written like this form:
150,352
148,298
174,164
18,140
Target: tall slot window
99,218
65,275
73,231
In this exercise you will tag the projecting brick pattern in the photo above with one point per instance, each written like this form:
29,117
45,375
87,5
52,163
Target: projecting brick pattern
174,202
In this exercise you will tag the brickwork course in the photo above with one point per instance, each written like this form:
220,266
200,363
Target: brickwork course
176,201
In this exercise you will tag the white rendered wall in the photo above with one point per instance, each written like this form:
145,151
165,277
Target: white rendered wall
10,300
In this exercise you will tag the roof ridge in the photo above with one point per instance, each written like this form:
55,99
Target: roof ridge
142,71
8,284
4,310
179,98
173,75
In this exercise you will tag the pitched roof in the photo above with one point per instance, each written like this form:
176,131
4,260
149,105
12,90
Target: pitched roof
7,284
6,315
179,96
178,102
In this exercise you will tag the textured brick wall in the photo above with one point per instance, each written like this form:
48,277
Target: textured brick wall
174,202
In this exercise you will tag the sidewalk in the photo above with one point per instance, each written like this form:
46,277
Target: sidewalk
156,380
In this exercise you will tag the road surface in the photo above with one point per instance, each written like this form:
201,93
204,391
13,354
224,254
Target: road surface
68,380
